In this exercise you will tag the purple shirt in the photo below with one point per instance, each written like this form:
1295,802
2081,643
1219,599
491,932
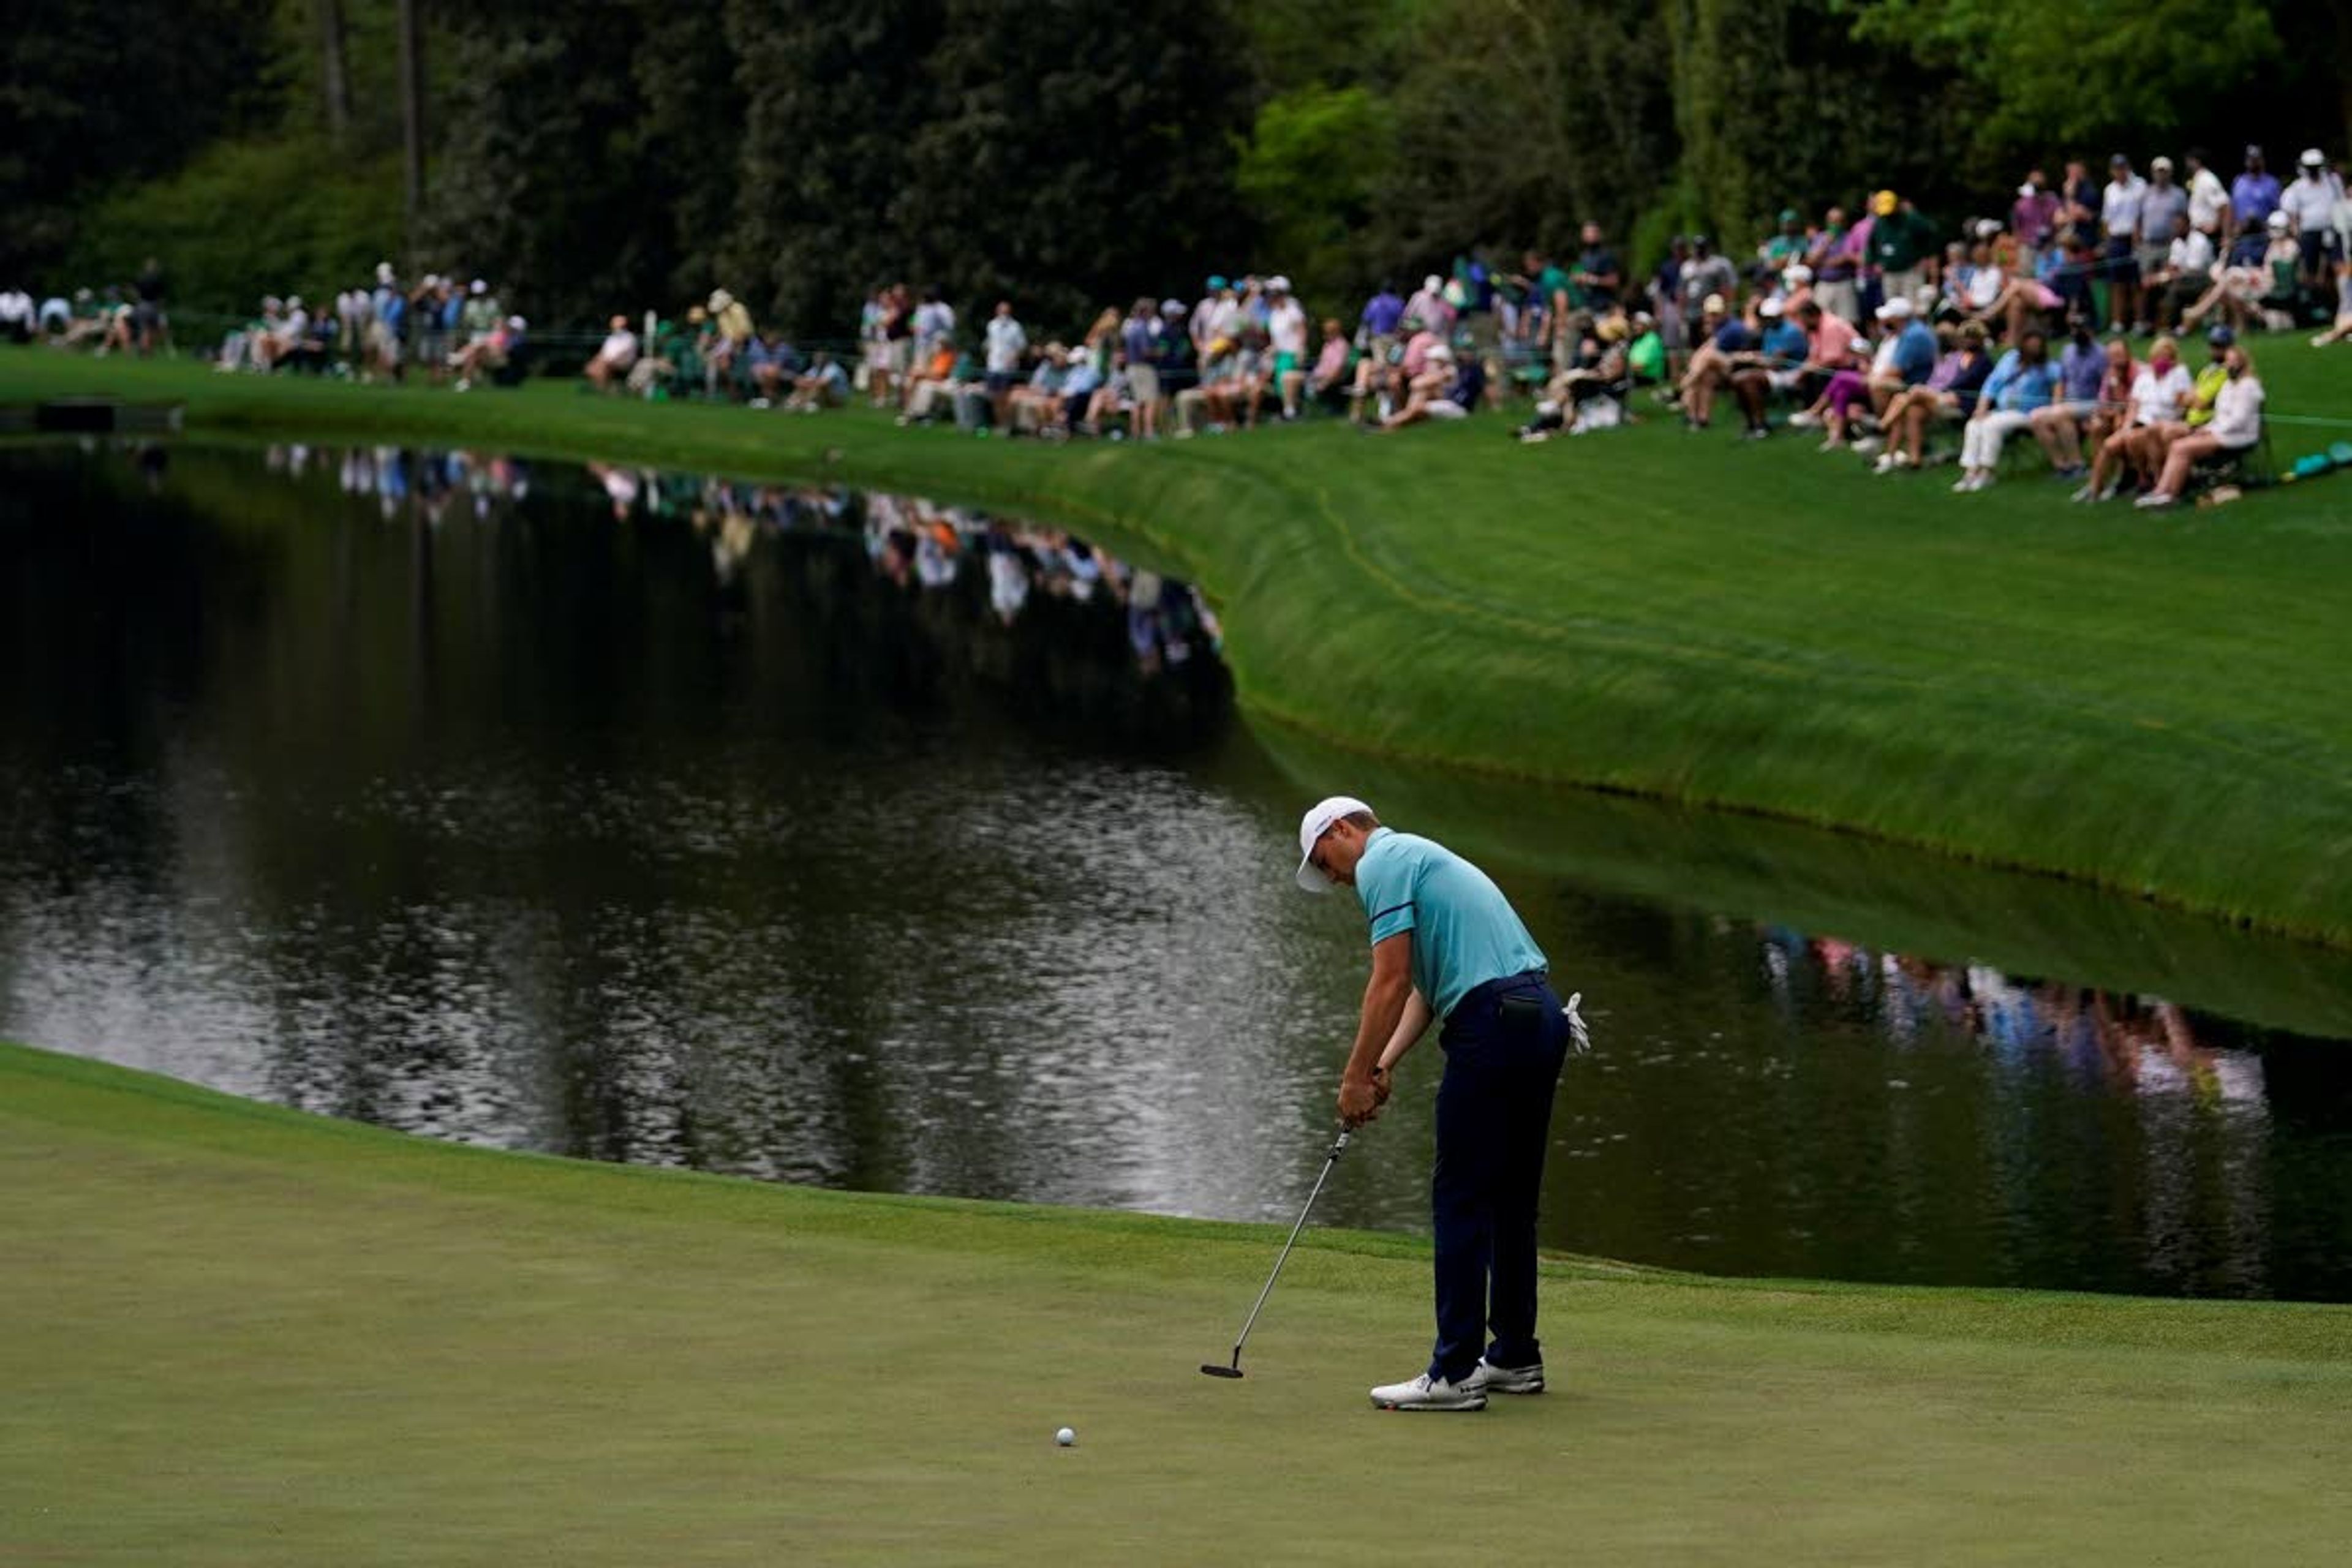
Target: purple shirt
1381,314
2032,217
2253,197
2084,370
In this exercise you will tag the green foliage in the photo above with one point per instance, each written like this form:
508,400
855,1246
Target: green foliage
1311,174
245,218
2084,70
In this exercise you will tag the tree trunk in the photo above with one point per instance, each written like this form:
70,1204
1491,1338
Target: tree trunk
335,69
411,118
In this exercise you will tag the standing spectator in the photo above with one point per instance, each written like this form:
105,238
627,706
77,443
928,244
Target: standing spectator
2310,206
1788,243
2078,209
2254,195
1707,276
1381,315
2163,201
1431,308
2209,201
1007,340
935,322
1597,276
1833,265
1901,248
731,331
2119,206
1141,340
2033,219
16,322
1285,330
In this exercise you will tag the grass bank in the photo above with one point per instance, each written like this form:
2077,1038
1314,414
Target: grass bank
2151,703
236,1334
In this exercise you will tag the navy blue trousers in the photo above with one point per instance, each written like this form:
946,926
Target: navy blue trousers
1504,1045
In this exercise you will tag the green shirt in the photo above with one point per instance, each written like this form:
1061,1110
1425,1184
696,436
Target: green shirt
1899,240
1553,280
1465,933
1647,356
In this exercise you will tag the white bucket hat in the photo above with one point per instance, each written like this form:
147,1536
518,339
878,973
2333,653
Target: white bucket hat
1312,827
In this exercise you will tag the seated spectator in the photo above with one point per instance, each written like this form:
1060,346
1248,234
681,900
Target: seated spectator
610,363
2019,386
1030,405
285,338
1442,391
1832,347
1950,393
2146,447
1326,380
1720,335
824,384
2091,381
1778,366
1645,355
2180,279
490,353
933,390
2236,428
2159,391
770,361
1907,359
2342,329
2246,275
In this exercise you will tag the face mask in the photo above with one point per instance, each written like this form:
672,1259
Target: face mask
2160,366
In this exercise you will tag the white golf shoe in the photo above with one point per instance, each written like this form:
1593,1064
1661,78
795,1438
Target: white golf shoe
1427,1392
1488,1378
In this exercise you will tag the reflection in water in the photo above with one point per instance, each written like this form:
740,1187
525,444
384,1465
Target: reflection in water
855,840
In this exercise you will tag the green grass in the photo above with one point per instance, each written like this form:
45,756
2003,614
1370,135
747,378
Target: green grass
233,1334
2154,704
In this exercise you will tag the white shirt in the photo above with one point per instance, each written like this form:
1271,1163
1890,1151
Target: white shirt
2310,202
2156,399
1286,328
1006,341
2237,412
15,305
620,348
2192,252
2119,211
2206,197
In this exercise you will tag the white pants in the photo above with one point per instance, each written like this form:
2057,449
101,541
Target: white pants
1980,440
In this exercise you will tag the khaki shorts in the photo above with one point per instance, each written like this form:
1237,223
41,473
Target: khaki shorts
1143,381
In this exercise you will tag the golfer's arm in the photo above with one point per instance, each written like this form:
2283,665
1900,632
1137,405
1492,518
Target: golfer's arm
1385,995
1410,1025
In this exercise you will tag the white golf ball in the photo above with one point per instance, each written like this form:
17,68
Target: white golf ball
1066,1436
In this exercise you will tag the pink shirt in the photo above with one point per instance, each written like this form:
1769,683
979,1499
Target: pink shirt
1832,341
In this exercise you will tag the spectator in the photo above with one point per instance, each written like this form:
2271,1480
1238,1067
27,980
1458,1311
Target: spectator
729,333
2160,392
1901,248
2236,428
1597,276
897,328
934,325
1788,243
2119,209
1835,264
2209,201
2033,218
1829,348
824,384
612,360
2342,329
1905,360
770,361
490,353
1706,276
17,322
1949,392
1430,307
1327,380
1442,391
1285,330
2184,275
2078,213
1006,342
1378,322
2263,256
2091,380
2143,453
2019,386
2253,195
2310,204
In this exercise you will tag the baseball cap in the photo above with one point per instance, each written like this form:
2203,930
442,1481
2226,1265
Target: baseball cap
1796,272
2253,150
1278,284
1313,827
1770,308
2220,337
1788,215
1217,281
1894,310
2119,161
2312,158
2159,163
1883,203
478,287
1711,306
2278,221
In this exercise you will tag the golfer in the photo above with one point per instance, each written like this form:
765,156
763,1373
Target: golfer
1447,943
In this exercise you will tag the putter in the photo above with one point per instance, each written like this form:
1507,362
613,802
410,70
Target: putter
1339,1147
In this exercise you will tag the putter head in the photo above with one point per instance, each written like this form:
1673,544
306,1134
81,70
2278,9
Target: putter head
1213,1370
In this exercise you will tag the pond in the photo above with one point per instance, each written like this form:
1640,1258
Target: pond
856,840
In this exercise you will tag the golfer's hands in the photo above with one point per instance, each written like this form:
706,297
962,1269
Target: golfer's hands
1360,1099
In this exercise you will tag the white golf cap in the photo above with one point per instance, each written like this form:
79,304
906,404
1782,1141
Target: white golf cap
2312,158
1279,284
1894,310
1770,308
1313,827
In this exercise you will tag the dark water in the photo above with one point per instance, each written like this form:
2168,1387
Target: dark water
847,841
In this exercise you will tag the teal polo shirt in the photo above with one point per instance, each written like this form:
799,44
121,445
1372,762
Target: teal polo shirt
1465,933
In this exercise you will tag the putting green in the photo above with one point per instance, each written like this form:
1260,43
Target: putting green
2150,702
233,1334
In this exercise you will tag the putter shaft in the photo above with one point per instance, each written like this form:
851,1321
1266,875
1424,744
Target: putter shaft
1339,1146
